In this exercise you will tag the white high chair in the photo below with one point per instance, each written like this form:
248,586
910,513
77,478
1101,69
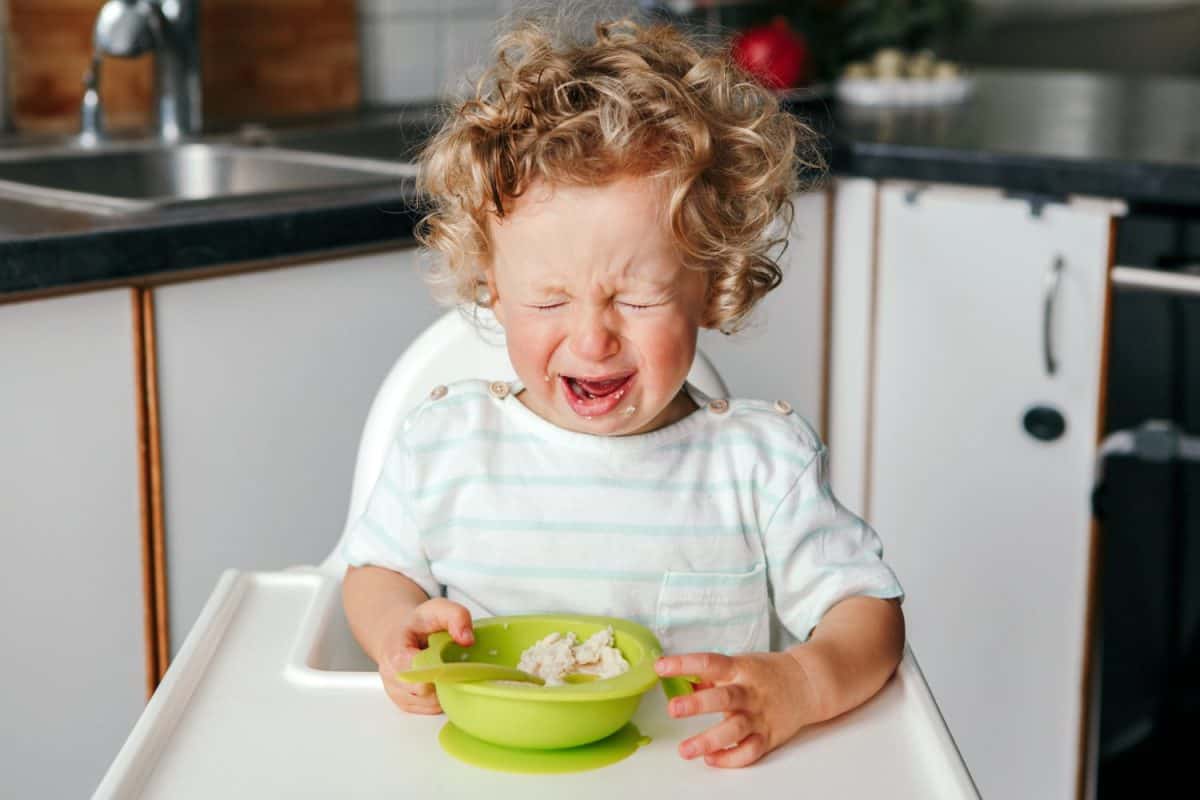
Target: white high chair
269,696
453,348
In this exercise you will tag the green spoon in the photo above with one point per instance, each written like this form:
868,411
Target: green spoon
678,685
458,672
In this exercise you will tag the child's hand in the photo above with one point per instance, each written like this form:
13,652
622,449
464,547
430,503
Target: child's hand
406,639
766,698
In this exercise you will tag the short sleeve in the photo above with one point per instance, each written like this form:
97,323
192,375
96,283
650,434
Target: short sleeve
386,535
819,553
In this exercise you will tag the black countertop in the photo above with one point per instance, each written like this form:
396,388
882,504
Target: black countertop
1053,133
77,249
1029,132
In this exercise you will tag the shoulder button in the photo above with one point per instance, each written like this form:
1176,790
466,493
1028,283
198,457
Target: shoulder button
499,389
718,406
783,406
438,392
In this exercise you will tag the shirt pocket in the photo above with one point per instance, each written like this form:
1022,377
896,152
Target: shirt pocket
704,612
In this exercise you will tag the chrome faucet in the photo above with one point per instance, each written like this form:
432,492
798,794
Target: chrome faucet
128,28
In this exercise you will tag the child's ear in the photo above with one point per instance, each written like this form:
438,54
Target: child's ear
497,307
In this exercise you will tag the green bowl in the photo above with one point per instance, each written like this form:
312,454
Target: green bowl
542,717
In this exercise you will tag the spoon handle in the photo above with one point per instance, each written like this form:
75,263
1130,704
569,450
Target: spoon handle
679,685
478,671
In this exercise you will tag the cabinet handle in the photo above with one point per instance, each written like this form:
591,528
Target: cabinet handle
1049,298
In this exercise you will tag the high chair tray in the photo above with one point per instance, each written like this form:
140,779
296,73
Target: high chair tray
269,697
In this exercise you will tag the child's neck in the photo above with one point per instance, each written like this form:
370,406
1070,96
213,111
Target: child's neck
677,409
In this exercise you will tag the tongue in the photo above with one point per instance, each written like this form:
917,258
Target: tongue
601,388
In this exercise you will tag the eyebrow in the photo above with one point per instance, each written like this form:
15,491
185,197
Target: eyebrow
626,280
639,286
551,288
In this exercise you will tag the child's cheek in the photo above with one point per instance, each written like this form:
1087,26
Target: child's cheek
531,350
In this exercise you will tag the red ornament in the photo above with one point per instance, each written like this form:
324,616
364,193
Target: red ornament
774,53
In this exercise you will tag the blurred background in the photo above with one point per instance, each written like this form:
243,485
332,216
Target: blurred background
265,58
1139,36
1057,108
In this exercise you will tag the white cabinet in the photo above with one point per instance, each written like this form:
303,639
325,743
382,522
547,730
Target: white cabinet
852,294
988,527
780,355
73,671
264,384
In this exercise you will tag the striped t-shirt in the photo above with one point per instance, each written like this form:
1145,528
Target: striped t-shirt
719,532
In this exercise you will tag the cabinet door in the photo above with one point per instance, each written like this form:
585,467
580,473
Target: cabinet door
852,293
780,355
73,673
988,527
264,384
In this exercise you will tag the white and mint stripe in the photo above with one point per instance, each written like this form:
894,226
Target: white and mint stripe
683,530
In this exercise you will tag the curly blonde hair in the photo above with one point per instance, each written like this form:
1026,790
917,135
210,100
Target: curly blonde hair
644,100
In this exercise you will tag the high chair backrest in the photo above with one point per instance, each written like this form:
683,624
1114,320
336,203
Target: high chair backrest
453,348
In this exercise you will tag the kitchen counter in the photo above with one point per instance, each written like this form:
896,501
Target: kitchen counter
1050,134
1039,132
45,249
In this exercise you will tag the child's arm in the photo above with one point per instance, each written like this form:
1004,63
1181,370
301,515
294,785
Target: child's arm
852,652
392,617
767,698
374,598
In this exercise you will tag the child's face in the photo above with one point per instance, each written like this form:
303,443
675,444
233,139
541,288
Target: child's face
599,312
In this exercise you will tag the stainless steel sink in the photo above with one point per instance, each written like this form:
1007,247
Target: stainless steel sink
158,176
384,141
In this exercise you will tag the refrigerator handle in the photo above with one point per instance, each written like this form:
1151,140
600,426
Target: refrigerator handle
1184,281
1050,287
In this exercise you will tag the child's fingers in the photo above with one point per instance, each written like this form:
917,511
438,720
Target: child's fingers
726,733
728,697
391,667
444,615
421,703
751,749
431,709
707,667
398,660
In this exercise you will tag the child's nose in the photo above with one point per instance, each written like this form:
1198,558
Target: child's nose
594,338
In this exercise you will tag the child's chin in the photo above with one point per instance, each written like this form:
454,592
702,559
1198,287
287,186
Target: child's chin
613,423
600,426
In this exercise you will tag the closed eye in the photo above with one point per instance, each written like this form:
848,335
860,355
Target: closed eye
640,306
549,306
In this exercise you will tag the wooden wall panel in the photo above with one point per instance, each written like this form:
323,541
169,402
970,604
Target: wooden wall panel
50,46
260,58
279,57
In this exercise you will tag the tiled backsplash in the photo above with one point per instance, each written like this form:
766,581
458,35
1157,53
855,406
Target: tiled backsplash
421,49
424,49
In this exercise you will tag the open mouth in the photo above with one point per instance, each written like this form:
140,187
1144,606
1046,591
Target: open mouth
594,396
